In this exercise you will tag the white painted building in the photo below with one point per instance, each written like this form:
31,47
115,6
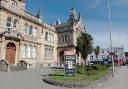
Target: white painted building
104,54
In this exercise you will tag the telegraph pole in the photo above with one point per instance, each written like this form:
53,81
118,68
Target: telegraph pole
110,33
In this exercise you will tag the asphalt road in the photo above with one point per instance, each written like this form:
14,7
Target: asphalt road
31,79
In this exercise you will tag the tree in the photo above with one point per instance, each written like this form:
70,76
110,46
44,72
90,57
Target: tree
84,45
96,51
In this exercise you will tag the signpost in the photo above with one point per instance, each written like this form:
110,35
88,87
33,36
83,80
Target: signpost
70,64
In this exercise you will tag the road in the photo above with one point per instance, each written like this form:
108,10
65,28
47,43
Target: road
119,81
30,79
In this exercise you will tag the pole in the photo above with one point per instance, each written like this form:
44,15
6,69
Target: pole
110,28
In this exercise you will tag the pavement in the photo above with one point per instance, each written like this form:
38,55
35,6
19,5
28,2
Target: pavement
119,81
30,79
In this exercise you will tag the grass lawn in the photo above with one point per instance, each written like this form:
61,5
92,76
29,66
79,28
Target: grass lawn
59,75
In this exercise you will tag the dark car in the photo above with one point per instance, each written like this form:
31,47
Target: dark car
126,61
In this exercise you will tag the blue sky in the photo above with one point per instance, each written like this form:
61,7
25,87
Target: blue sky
95,17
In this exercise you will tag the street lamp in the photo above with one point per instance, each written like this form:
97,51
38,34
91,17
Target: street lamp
110,28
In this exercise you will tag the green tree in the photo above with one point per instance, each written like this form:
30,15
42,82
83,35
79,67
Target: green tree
84,45
97,51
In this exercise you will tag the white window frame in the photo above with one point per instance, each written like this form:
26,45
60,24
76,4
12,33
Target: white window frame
34,32
24,51
28,51
15,23
9,22
34,52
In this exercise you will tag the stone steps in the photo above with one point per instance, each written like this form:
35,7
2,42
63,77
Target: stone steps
5,67
16,68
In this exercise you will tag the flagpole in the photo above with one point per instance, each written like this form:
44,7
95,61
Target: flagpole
110,30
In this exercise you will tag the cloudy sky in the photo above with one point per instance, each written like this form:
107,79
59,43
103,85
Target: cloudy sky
94,14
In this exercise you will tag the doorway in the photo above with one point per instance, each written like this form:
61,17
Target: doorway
10,53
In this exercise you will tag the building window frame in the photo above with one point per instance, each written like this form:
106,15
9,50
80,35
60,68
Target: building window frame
34,32
26,30
9,22
30,29
15,23
46,35
34,52
24,51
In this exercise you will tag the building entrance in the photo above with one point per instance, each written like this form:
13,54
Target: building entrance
10,53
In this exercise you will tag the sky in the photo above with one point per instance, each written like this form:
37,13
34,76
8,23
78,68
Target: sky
94,15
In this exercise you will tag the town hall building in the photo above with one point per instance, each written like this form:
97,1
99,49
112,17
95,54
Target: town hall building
26,37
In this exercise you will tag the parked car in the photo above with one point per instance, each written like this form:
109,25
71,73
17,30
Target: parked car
126,62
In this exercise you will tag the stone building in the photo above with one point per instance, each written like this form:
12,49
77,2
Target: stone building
24,36
67,35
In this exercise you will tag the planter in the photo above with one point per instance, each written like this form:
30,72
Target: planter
68,84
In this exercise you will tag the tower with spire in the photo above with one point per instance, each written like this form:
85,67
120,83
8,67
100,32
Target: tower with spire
73,15
39,15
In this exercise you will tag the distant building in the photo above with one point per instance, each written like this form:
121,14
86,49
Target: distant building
104,55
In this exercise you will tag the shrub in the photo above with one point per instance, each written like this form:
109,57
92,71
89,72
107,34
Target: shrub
80,69
90,71
98,67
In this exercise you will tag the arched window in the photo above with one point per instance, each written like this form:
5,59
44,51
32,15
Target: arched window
46,36
30,30
34,32
9,22
26,28
15,23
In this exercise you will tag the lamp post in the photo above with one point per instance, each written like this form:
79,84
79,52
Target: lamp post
110,33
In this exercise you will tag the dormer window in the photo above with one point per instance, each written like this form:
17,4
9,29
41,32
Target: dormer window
14,3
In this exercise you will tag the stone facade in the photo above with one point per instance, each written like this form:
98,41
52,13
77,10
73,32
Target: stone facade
26,37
